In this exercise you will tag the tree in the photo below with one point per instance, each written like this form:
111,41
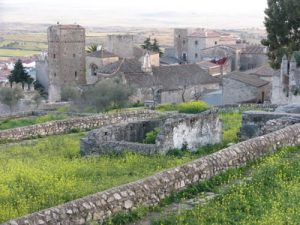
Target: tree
10,96
40,88
70,93
19,75
92,48
37,98
147,44
155,47
105,95
283,28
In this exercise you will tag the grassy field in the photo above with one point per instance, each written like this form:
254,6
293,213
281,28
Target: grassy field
16,52
26,121
49,171
267,192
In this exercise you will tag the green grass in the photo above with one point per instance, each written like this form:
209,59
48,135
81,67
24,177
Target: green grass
231,126
271,196
50,171
42,173
16,52
21,122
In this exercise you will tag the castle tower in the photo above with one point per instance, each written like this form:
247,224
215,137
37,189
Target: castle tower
66,58
181,43
146,66
121,45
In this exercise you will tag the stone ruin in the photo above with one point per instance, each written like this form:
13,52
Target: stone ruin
177,131
258,123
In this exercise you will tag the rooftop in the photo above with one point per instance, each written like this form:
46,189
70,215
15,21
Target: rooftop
247,79
102,54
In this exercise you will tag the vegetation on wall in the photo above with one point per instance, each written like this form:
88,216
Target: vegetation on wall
151,136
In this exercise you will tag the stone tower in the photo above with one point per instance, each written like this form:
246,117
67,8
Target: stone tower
181,43
66,58
121,45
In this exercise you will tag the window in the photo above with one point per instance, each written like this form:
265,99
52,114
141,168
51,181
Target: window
183,42
196,55
216,42
74,55
75,74
53,56
196,42
184,57
54,74
179,36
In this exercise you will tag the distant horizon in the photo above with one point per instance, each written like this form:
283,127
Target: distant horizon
218,14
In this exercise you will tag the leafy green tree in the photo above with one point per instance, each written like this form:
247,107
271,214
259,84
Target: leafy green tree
19,75
147,44
283,27
10,96
105,95
92,48
40,88
70,93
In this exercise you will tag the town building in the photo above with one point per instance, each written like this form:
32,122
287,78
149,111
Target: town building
161,84
242,88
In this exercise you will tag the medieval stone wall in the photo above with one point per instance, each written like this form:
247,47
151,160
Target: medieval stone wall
84,123
151,190
176,131
254,122
121,45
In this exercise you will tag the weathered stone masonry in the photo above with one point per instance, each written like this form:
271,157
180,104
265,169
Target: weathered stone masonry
151,190
176,131
84,123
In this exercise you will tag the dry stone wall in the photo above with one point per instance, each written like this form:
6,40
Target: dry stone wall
65,126
151,190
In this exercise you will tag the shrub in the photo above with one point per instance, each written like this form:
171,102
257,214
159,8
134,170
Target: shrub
192,107
185,107
151,136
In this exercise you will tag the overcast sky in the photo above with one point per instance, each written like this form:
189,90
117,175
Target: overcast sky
170,13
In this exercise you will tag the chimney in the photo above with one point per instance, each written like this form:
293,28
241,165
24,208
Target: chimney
284,68
146,66
293,64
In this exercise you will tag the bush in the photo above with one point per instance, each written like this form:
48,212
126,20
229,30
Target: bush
185,107
151,136
192,107
167,107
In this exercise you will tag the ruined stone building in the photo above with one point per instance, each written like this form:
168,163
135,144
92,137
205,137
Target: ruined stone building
286,83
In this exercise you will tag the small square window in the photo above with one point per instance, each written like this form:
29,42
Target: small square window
196,55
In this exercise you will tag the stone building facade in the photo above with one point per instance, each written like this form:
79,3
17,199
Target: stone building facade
189,43
121,45
243,88
66,58
286,83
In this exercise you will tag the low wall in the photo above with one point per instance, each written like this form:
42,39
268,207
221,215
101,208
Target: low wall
254,123
239,107
151,190
65,126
